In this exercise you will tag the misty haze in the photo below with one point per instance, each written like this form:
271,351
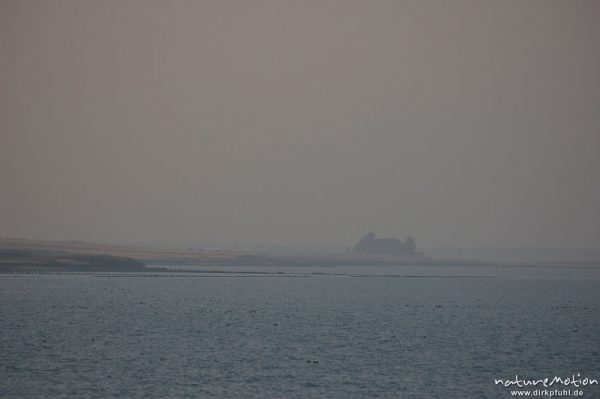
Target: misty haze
332,198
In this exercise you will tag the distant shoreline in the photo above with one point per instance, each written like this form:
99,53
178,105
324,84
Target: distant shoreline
47,256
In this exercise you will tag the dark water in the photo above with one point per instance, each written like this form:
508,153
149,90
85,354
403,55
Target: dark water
293,333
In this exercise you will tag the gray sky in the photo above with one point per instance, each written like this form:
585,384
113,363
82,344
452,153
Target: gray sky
462,123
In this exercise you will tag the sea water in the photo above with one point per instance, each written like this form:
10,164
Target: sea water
336,332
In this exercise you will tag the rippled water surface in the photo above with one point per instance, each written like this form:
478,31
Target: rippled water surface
343,333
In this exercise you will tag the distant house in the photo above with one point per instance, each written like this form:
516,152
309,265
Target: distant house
370,244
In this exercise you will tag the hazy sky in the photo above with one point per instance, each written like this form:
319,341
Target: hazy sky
462,123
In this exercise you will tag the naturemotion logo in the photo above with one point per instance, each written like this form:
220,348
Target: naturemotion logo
535,387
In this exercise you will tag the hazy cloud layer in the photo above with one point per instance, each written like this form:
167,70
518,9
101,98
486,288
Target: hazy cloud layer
301,122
